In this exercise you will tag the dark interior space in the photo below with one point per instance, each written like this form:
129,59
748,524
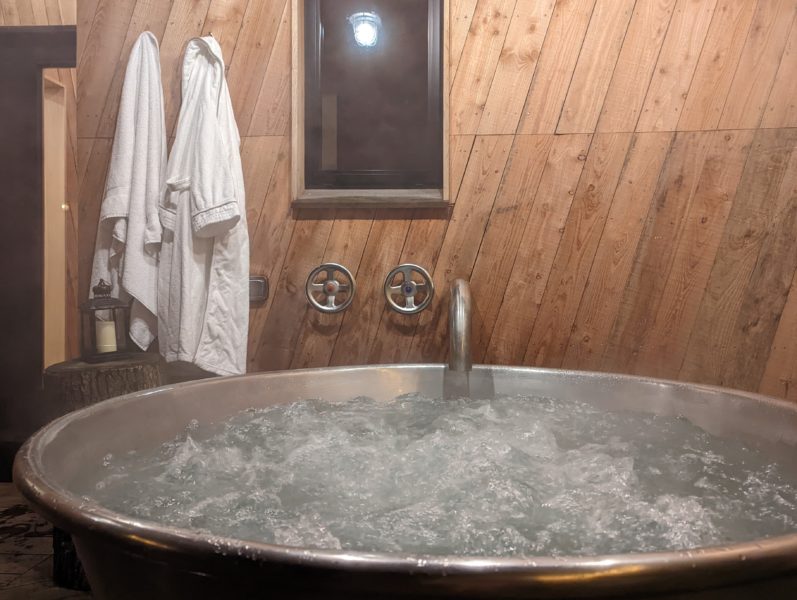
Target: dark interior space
374,111
24,52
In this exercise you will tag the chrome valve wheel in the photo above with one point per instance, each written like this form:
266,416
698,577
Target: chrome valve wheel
328,293
405,294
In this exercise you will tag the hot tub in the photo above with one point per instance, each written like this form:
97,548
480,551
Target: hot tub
129,558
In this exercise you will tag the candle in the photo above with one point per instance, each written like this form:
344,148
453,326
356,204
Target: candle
106,337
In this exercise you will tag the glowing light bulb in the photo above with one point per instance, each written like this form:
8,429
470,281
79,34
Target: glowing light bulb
366,28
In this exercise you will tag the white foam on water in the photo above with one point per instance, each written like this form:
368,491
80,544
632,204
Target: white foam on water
511,476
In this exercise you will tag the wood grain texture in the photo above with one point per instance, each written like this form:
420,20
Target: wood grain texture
657,248
459,248
696,249
582,233
616,205
614,257
595,66
717,65
635,65
761,57
504,231
750,223
461,16
516,65
150,15
781,108
780,375
765,296
480,58
676,65
560,52
537,250
346,244
100,61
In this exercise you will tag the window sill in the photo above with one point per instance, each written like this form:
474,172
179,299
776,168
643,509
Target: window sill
371,199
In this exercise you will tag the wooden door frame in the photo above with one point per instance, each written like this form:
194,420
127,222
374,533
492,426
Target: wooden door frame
24,53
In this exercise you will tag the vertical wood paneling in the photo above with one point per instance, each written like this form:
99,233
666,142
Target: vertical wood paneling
669,251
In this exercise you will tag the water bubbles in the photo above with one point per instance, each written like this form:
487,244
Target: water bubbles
511,476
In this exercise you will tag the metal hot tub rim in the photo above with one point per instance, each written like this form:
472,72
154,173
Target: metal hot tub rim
675,574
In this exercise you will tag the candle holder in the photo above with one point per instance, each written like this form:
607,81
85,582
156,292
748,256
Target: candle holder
104,324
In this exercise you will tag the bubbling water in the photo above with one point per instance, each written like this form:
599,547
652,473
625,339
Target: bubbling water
510,476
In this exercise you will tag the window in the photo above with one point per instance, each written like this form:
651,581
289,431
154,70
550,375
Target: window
372,128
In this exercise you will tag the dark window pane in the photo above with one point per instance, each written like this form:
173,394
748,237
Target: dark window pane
373,94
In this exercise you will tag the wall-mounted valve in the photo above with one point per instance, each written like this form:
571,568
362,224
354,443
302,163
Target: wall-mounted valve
328,293
404,294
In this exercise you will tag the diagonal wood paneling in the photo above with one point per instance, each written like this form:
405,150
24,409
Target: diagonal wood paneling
596,63
614,258
672,76
617,206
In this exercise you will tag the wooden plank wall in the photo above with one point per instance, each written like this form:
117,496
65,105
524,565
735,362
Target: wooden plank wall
59,12
624,174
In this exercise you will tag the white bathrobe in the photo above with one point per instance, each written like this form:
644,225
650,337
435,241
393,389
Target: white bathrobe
203,299
129,230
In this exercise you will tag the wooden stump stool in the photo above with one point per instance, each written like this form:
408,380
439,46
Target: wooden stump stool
76,384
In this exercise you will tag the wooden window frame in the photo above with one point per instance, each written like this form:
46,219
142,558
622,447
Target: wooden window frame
354,198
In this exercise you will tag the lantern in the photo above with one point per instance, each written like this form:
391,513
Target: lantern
366,27
104,324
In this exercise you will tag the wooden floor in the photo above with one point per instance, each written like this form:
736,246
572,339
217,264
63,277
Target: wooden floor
26,547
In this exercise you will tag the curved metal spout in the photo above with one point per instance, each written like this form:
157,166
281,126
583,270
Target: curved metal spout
459,358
